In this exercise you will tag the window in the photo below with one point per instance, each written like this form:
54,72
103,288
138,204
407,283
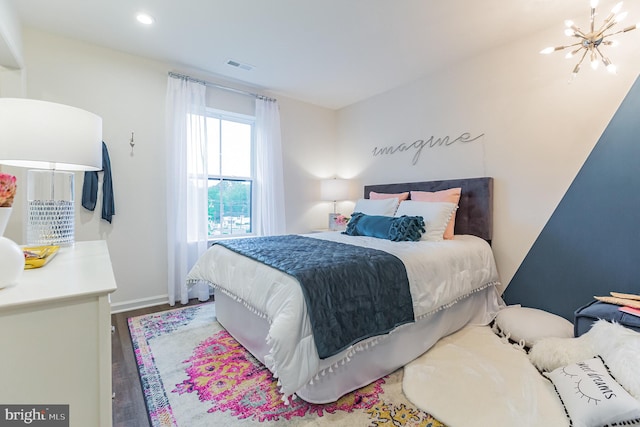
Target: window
230,164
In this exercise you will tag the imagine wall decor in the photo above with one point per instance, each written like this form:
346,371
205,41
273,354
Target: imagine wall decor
420,144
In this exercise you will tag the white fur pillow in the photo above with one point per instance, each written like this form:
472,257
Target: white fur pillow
592,397
620,349
618,346
526,325
552,353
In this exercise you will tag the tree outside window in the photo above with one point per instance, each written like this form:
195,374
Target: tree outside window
230,163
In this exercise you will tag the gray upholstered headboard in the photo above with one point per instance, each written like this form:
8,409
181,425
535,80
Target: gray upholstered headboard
475,210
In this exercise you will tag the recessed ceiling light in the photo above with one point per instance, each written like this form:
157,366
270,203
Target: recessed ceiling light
145,19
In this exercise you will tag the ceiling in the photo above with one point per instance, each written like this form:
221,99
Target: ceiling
327,52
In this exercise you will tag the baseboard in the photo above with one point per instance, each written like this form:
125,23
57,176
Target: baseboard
139,303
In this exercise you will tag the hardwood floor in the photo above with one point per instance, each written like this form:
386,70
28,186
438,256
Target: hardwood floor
129,409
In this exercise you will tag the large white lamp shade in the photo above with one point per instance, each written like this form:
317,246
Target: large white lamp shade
334,190
44,135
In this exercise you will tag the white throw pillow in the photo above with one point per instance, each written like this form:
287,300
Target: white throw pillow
526,325
436,216
592,397
384,207
620,349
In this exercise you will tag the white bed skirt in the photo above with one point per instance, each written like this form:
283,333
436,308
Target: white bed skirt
386,354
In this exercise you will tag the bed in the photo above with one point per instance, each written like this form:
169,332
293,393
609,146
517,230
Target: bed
452,284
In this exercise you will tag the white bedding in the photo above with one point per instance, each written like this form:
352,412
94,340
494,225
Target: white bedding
439,274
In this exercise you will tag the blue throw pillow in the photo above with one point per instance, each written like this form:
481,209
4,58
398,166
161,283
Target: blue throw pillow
398,229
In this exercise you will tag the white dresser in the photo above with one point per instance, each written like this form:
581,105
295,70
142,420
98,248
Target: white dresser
55,335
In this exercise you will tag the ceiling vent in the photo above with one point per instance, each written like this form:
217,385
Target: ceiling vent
240,65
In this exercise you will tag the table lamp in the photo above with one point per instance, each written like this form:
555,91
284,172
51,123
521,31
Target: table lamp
53,141
334,190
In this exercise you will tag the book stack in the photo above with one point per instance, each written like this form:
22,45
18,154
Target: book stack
629,303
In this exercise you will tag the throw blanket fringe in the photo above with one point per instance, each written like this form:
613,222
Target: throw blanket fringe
237,299
361,346
456,300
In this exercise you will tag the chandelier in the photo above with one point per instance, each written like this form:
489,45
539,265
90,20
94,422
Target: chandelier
591,42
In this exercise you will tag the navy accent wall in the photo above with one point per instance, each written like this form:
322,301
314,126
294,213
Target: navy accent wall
591,244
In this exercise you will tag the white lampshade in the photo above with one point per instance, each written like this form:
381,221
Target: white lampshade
46,135
334,189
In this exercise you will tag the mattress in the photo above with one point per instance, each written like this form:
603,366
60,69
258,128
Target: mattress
442,275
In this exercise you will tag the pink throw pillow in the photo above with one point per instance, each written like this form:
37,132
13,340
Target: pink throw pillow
377,196
451,195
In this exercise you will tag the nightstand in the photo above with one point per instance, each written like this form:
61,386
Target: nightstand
55,329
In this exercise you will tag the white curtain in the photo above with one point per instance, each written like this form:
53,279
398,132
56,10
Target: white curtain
269,219
186,185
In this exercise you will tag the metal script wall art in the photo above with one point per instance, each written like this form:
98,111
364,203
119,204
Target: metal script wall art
422,143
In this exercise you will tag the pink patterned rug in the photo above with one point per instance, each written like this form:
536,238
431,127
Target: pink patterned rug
194,373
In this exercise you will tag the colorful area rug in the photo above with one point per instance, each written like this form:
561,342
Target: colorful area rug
194,373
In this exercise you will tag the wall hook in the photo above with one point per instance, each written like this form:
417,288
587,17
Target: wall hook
131,143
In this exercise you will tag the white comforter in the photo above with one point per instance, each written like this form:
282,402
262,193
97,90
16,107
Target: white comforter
439,274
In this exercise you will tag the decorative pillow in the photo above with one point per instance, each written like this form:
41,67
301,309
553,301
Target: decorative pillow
436,216
592,397
384,207
526,325
377,196
451,195
397,229
618,345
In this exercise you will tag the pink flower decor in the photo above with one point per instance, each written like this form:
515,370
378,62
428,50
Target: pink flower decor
342,220
7,189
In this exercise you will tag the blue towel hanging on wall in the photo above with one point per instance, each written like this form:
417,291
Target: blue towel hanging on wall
90,188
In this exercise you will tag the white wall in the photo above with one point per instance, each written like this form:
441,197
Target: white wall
128,92
10,37
538,130
309,155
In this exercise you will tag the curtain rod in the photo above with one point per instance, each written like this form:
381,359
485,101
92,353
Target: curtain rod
217,86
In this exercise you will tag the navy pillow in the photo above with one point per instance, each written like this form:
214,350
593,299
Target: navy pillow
398,229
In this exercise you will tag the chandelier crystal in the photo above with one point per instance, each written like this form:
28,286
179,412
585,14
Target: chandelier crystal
591,42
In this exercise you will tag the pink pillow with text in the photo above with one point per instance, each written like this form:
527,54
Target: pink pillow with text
451,195
377,196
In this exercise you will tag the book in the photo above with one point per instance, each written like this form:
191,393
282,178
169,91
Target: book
625,296
619,301
630,310
37,256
